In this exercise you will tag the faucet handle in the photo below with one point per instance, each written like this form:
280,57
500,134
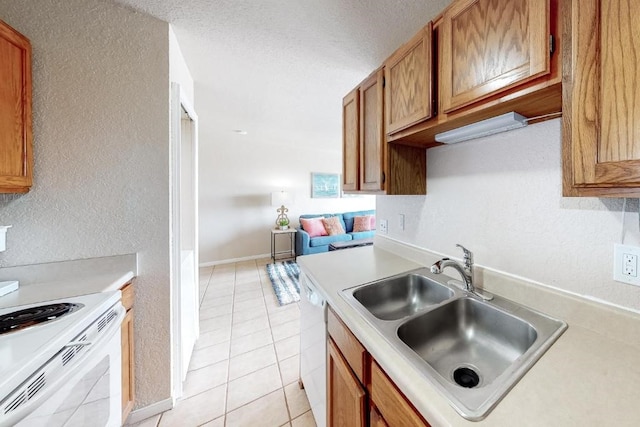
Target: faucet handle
468,255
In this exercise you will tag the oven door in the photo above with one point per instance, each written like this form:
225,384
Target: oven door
85,394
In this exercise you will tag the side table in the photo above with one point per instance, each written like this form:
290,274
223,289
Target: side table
291,253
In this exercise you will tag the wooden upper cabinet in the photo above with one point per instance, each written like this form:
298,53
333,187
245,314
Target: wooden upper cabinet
350,141
601,100
16,157
372,138
491,45
409,82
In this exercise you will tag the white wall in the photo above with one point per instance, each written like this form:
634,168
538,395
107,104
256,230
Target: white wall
239,172
501,197
101,144
178,70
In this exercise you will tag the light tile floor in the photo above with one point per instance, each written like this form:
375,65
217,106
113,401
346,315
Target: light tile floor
244,369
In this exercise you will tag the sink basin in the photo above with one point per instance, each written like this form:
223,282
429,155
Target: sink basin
467,337
402,296
472,351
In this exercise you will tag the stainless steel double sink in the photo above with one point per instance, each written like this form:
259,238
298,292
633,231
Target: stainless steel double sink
473,351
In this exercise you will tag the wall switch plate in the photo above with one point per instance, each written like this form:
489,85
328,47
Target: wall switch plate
7,287
3,237
401,222
625,264
383,225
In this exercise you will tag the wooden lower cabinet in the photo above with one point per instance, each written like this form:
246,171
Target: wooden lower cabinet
359,393
393,406
128,374
347,399
376,418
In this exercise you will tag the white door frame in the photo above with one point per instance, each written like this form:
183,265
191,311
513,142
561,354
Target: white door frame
179,101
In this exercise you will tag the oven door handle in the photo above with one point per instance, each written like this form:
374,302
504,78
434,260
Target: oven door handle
12,418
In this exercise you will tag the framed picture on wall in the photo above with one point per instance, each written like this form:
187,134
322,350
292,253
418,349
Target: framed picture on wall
325,185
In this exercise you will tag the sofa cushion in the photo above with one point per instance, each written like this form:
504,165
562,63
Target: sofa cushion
363,223
313,226
333,225
349,216
327,240
326,215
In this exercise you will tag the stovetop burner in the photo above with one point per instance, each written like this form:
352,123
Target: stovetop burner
32,316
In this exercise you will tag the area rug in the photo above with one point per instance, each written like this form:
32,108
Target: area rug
284,279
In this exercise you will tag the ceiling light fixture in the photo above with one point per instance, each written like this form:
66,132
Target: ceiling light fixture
240,131
486,127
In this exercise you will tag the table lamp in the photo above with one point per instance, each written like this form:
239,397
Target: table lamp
280,198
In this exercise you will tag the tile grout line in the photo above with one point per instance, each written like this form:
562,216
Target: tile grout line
286,400
255,268
226,384
233,303
201,299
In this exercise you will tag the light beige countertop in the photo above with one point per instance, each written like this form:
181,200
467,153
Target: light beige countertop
589,377
57,280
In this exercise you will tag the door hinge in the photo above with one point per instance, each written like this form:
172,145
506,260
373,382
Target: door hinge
552,44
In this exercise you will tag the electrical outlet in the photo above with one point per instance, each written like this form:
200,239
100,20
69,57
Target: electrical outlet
401,222
383,226
625,264
630,265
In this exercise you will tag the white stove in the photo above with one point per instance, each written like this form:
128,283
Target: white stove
50,371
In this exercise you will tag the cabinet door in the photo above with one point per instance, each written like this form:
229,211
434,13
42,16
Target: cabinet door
372,138
346,399
376,419
16,157
394,407
409,82
491,45
128,376
601,140
350,141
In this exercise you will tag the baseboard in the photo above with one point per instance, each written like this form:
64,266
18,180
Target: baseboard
232,260
149,411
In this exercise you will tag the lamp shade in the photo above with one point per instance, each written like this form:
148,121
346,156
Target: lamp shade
280,198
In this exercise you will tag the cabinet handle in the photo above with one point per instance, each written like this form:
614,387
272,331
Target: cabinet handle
384,177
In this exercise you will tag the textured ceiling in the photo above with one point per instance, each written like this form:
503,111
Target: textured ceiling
279,68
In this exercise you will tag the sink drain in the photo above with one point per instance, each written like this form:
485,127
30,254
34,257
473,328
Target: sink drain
466,377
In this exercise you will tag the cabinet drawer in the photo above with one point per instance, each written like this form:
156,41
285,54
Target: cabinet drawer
127,296
391,403
349,346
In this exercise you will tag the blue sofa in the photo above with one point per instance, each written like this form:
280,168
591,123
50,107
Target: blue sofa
306,245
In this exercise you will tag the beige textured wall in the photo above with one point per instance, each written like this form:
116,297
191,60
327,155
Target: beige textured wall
101,143
501,196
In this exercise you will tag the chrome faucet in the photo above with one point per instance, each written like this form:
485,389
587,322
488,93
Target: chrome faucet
466,270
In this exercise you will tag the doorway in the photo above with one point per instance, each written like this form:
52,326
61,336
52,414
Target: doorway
184,239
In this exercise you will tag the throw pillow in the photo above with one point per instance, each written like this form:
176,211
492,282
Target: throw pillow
313,226
333,225
373,222
362,223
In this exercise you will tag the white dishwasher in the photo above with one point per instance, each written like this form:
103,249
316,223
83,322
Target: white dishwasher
313,348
